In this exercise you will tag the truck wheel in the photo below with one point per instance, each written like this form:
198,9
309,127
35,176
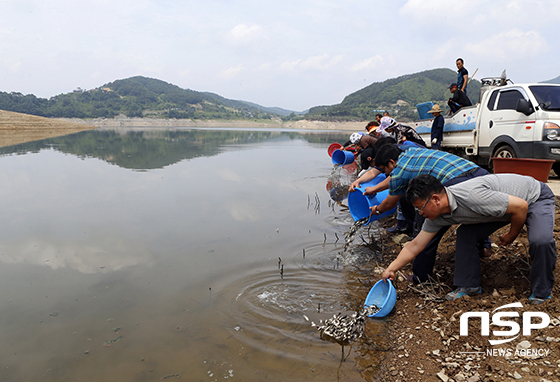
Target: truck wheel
505,151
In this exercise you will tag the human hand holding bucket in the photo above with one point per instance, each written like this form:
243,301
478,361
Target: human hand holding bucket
383,295
342,157
359,203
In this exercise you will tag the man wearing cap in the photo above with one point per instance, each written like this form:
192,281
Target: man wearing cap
372,127
362,140
388,127
459,98
437,127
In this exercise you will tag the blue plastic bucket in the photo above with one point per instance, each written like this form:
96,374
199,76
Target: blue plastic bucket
359,204
423,109
384,296
342,157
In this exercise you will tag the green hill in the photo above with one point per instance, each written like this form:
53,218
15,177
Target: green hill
135,97
398,95
148,97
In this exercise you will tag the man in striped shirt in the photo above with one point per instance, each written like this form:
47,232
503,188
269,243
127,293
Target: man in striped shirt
482,206
403,166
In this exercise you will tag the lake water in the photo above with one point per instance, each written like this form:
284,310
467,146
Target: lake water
192,254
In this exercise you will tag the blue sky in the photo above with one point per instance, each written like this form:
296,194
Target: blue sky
289,54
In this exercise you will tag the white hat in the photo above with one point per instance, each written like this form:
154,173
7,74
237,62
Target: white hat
385,123
355,137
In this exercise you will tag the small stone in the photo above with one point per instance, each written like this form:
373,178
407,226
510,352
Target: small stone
459,377
524,345
441,375
516,375
435,352
525,370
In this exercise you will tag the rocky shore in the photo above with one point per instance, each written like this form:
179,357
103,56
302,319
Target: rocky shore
424,329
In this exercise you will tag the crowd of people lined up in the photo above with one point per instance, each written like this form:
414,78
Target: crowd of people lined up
435,189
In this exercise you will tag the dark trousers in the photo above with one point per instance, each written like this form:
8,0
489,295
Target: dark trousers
423,264
542,247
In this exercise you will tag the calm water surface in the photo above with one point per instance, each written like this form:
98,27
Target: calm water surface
149,254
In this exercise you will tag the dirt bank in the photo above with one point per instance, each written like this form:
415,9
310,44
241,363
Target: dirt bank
425,329
149,122
16,128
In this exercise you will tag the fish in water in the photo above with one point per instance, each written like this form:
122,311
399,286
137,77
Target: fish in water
355,227
345,328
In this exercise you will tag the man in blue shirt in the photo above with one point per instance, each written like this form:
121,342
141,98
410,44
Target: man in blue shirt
462,75
437,127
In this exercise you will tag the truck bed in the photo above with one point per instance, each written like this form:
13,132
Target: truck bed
459,130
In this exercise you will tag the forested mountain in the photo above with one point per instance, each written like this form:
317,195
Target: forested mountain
135,97
397,95
147,97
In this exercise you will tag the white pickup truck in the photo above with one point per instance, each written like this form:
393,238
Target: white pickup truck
511,121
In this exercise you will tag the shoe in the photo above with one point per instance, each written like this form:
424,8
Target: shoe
463,291
485,253
413,279
537,300
400,228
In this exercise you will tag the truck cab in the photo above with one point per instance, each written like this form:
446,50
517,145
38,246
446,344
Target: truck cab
520,121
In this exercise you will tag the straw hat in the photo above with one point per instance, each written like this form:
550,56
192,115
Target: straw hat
435,109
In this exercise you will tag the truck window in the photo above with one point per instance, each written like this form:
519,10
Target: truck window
508,99
492,100
547,96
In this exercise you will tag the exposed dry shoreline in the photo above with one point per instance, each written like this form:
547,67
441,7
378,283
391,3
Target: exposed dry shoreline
148,122
16,128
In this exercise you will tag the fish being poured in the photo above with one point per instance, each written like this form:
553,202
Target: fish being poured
343,329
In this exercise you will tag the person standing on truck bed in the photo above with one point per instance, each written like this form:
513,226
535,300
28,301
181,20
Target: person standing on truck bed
437,127
459,98
462,75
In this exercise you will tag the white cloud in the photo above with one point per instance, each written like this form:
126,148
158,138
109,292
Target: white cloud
370,63
321,62
229,175
289,65
244,33
231,72
508,45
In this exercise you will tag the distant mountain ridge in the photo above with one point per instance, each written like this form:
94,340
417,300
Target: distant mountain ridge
427,86
148,97
138,97
553,81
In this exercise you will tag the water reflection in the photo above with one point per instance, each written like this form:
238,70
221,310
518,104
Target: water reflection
110,273
151,148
